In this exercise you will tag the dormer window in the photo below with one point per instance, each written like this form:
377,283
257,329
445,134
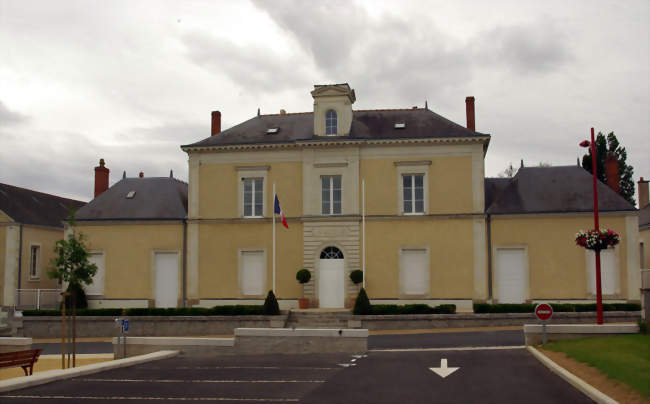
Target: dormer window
331,123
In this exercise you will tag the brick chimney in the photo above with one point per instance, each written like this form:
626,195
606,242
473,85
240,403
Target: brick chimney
216,123
643,192
469,108
611,173
101,178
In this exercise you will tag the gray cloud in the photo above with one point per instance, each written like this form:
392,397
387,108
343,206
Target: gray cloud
8,117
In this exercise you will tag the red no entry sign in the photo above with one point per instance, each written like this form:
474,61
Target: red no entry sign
543,311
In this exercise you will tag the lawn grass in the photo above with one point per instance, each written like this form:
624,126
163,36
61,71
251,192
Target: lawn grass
625,358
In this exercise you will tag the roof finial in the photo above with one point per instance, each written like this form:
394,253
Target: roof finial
258,111
171,173
522,163
124,175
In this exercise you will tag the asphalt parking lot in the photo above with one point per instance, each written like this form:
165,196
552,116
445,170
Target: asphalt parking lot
493,367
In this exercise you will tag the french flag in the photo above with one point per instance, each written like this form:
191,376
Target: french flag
278,210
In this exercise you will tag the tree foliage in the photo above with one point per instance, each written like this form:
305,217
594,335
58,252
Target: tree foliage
610,144
509,172
71,264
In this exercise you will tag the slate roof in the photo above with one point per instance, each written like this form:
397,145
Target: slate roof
37,208
155,198
366,125
559,189
644,216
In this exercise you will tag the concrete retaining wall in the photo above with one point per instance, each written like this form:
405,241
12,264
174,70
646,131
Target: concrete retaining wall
299,341
186,346
555,332
10,344
150,326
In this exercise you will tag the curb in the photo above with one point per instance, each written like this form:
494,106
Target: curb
61,374
584,387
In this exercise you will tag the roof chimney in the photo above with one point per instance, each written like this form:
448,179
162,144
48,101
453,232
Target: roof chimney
101,178
216,123
611,173
643,192
469,108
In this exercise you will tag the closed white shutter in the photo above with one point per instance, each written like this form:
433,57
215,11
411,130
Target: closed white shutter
253,275
97,287
167,289
414,273
512,275
608,272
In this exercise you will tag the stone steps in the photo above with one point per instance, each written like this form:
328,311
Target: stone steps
319,319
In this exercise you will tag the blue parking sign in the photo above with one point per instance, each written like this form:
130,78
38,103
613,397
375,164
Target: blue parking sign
125,325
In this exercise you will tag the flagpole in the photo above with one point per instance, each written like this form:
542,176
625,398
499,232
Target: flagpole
363,229
273,210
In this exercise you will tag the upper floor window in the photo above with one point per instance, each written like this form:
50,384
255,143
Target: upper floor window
331,194
253,197
331,123
413,193
34,258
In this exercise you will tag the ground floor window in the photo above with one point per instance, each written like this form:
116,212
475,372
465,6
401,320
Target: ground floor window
97,287
414,271
252,275
608,272
34,261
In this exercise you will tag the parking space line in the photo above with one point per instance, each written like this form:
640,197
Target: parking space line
236,367
464,348
196,381
116,398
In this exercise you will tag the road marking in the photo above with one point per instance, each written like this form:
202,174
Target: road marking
464,348
235,367
444,371
196,381
115,398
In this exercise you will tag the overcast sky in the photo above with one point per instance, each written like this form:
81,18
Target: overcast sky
130,81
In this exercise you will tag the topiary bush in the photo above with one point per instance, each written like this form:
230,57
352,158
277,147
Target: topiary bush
362,304
81,301
356,276
303,276
271,307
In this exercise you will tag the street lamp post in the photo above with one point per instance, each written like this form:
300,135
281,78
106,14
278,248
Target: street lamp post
599,294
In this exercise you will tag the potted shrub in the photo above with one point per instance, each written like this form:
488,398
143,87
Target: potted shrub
303,276
356,276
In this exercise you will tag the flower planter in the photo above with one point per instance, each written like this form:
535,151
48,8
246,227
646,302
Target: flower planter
303,303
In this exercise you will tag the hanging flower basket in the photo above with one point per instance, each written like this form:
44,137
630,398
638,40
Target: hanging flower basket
597,240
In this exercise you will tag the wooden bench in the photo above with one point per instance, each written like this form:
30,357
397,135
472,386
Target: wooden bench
24,359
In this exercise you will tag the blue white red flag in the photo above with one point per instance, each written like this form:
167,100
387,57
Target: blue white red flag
278,210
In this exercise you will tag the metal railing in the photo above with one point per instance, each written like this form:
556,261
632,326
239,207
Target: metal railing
30,299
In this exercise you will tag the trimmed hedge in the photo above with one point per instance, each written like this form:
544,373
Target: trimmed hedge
388,309
557,307
234,310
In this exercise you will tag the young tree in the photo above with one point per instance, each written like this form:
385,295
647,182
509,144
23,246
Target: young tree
509,172
71,264
610,144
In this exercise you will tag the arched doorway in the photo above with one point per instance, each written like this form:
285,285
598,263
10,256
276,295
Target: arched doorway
331,280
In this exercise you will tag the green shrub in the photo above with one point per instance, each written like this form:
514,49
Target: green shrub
271,307
392,309
234,310
80,300
557,307
303,276
356,276
362,304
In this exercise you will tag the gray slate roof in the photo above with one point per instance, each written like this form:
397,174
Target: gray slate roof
156,198
32,207
551,189
372,124
644,216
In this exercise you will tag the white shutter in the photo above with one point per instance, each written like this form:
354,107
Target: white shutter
512,275
97,287
414,273
608,272
252,275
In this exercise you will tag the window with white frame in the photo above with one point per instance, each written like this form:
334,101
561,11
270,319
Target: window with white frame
252,272
331,123
34,261
608,272
414,271
413,193
97,287
331,194
253,197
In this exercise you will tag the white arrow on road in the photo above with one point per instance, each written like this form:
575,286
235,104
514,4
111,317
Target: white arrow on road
443,371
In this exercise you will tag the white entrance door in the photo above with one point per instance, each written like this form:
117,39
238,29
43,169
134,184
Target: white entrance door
331,283
512,275
166,278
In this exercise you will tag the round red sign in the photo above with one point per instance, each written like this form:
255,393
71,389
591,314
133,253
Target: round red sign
543,311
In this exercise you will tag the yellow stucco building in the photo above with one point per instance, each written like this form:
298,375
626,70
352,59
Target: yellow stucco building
398,193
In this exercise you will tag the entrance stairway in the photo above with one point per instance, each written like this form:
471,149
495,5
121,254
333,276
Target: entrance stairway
318,318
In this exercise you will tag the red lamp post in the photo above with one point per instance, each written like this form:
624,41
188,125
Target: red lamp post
599,294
